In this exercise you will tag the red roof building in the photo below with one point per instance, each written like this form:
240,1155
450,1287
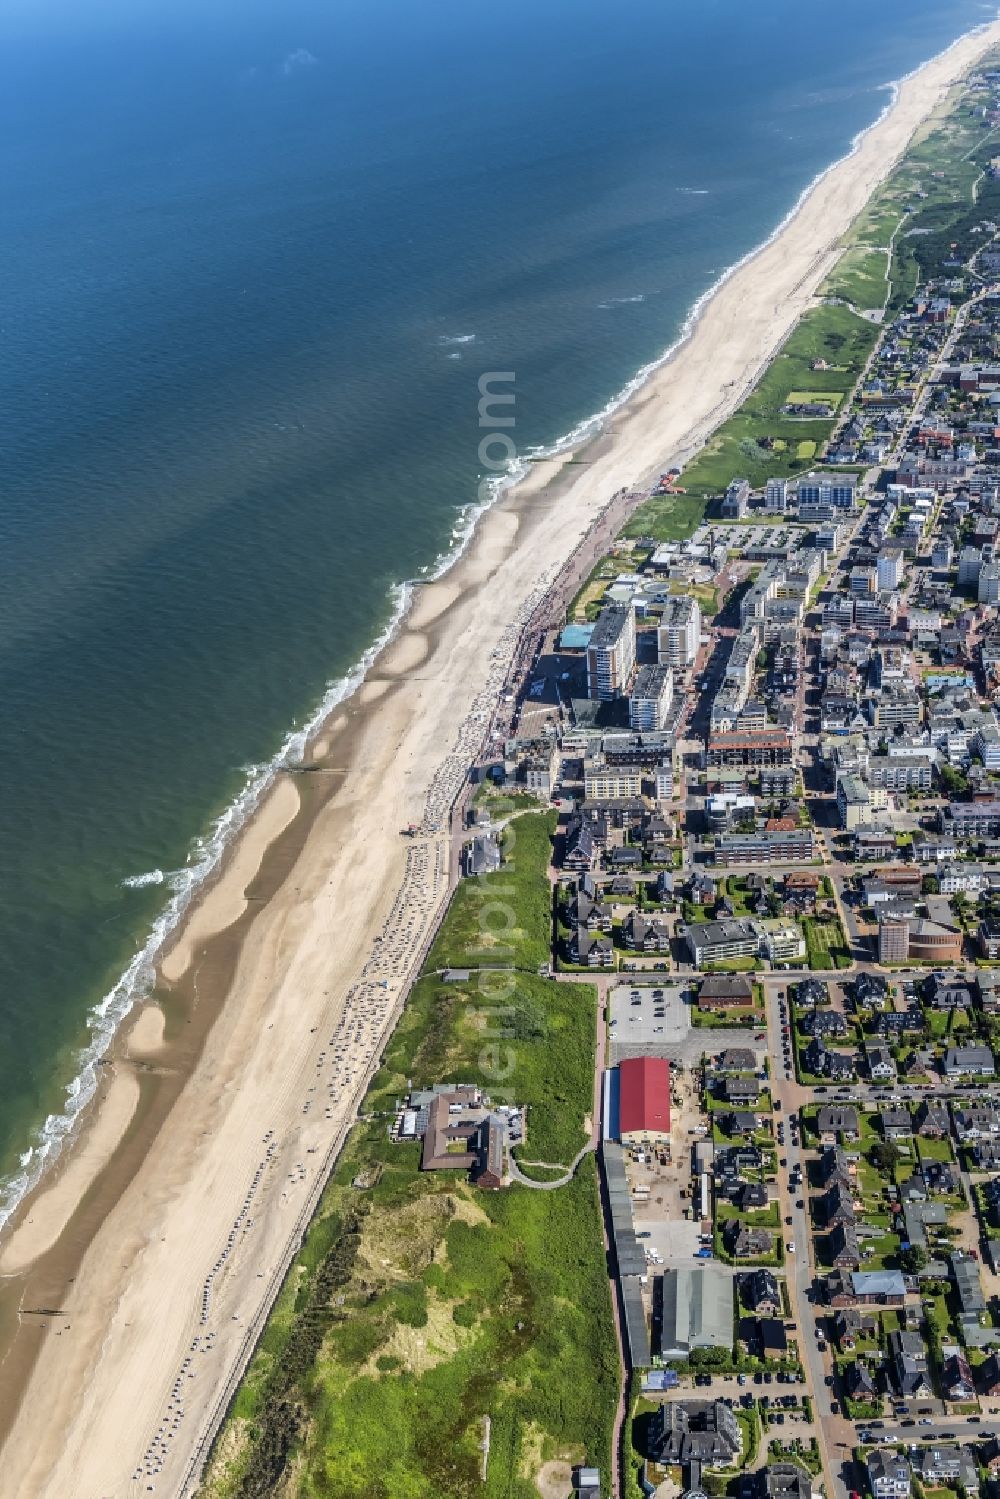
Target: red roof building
643,1100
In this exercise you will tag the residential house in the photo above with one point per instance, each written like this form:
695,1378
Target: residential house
974,1122
881,1066
824,1023
850,1324
785,1481
592,950
908,1357
968,1285
932,1119
969,1061
896,1124
945,1465
845,1250
811,992
871,991
888,1474
726,992
837,1122
745,1243
837,1206
742,1091
749,1197
731,1160
759,1290
956,1378
702,1431
878,1287
737,1059
941,1178
859,1382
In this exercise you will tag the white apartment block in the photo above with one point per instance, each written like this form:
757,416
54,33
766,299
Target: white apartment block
650,699
679,633
611,653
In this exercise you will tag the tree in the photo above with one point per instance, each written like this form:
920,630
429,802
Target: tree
913,1259
885,1155
954,781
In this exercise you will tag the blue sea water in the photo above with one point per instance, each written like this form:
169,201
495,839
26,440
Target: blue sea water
253,261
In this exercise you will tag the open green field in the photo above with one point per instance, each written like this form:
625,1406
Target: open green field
803,397
668,517
433,1308
503,918
826,946
419,1306
707,596
860,277
931,192
759,440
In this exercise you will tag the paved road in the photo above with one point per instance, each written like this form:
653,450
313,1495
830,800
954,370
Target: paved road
834,1434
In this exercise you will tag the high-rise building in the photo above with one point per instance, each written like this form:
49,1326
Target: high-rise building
837,490
988,587
890,568
736,499
650,699
611,653
893,940
679,633
776,496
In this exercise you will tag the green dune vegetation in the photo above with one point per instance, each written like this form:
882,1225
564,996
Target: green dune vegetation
924,216
428,1329
824,356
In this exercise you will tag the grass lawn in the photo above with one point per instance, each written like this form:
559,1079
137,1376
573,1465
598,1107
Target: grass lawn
450,1305
826,946
707,596
803,397
859,278
833,334
934,1150
668,517
419,1306
724,1020
768,1217
506,917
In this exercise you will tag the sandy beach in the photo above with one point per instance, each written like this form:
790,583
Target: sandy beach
162,1236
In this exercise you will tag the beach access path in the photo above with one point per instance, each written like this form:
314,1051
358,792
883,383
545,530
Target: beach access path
215,1199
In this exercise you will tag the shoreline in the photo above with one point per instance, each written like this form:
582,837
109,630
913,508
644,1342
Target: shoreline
212,852
451,629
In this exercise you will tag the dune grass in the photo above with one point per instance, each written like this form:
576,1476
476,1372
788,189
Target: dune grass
419,1306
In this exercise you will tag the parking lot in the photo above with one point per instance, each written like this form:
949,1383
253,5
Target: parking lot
648,1019
668,1238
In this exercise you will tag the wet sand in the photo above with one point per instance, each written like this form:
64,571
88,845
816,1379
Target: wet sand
171,1238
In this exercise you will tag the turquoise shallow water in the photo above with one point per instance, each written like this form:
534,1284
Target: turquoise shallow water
251,268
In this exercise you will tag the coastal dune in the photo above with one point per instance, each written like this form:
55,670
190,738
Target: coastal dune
301,951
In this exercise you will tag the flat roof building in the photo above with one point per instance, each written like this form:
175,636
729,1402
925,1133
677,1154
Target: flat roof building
644,1100
650,699
697,1309
611,653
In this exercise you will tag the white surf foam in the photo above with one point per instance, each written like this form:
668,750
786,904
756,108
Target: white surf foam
206,853
106,1016
140,881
